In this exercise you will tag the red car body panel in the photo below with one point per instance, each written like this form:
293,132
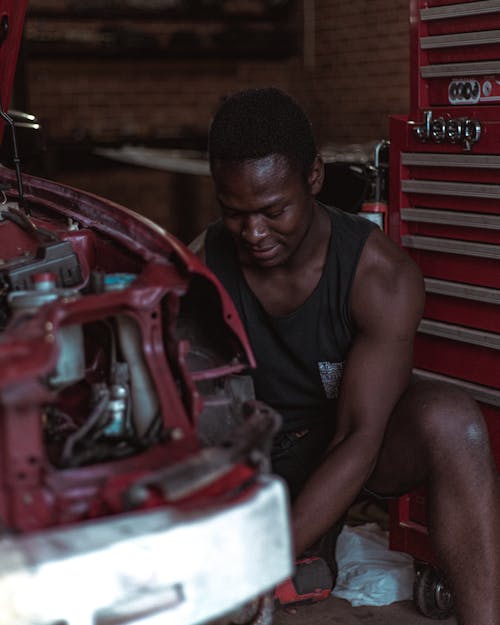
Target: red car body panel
28,352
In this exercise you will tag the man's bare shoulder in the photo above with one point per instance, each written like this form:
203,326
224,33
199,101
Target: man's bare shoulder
388,290
197,246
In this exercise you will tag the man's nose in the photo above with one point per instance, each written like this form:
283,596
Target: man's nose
254,229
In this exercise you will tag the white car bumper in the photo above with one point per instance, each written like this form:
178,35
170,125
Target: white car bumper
149,568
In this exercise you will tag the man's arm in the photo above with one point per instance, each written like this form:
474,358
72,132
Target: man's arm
386,305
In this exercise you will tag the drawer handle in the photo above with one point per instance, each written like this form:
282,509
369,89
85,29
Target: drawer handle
140,605
456,189
465,291
460,333
443,70
460,39
451,246
452,218
463,9
481,161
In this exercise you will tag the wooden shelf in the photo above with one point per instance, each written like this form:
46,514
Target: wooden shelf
214,13
240,43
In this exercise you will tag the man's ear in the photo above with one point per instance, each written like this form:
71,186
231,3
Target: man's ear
316,175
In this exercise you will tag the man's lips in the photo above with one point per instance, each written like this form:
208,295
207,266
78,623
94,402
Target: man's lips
263,253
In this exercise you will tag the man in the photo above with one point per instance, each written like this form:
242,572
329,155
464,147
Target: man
331,307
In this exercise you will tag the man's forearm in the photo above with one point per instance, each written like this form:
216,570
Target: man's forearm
331,489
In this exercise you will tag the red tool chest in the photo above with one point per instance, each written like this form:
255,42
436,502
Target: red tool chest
444,210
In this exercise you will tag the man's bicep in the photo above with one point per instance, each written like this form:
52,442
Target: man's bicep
376,374
379,363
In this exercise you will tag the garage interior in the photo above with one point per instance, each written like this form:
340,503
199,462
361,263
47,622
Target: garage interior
346,63
124,92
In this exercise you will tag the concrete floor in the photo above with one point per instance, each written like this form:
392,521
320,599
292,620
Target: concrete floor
335,611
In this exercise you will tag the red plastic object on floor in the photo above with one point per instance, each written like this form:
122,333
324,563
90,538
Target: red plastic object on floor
312,582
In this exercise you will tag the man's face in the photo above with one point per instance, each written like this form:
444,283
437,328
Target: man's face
266,205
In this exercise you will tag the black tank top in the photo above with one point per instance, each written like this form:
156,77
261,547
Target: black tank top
300,356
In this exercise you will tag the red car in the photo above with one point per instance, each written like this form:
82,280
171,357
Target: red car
134,472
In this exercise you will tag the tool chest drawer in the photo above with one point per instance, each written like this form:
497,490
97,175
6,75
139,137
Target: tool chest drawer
458,352
458,53
462,304
454,260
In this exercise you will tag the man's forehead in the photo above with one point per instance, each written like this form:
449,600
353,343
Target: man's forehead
253,185
260,170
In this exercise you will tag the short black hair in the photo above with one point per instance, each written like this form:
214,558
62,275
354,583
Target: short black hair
255,123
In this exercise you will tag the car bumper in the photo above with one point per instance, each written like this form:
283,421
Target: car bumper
152,567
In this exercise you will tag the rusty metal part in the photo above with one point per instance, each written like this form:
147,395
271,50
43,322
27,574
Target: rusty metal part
248,443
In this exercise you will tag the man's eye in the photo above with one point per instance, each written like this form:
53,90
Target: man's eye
274,214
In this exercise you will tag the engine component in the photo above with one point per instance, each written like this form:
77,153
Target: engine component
143,394
70,364
57,258
250,442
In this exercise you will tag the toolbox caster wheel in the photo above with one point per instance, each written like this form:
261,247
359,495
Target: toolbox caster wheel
431,594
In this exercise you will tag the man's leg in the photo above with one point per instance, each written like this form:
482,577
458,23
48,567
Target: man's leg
437,437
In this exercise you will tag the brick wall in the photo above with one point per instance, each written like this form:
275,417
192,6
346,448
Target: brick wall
349,69
361,67
153,91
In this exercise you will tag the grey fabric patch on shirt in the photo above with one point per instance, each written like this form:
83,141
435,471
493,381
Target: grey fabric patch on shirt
331,377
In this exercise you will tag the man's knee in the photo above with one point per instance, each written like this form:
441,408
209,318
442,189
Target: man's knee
449,421
437,431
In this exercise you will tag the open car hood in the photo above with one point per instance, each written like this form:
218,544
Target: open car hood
12,13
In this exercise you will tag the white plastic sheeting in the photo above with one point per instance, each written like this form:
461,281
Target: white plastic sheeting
369,573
